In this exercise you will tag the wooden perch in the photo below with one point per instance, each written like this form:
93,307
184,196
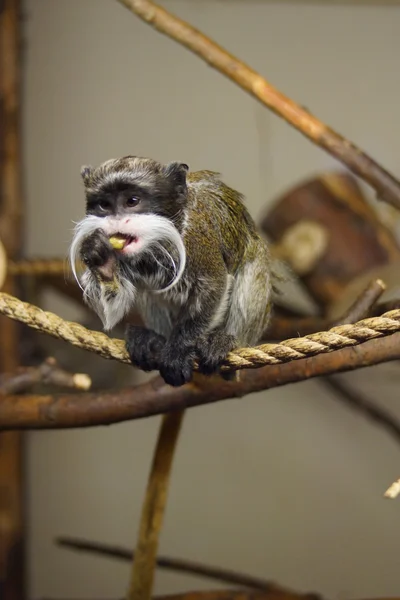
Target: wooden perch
155,397
145,559
386,186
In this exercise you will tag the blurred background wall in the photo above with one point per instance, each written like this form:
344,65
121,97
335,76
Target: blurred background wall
286,484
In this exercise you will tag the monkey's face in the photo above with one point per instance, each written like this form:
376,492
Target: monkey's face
141,202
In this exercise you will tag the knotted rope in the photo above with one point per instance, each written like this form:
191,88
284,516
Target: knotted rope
243,358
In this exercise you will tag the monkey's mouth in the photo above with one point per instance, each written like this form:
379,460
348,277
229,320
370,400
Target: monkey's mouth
121,241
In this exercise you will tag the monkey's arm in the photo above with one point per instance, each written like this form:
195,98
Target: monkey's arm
191,337
97,254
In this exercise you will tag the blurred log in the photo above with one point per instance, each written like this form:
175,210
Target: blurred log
240,595
272,594
329,235
11,486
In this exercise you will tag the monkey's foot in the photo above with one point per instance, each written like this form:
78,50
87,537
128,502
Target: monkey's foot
177,365
212,350
144,348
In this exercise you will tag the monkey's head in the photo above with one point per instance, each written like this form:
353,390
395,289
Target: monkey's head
141,202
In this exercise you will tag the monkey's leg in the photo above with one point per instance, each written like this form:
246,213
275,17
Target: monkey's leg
193,321
144,347
211,350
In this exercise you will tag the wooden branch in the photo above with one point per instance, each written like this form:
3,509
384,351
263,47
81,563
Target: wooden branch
173,564
362,306
144,563
393,491
386,186
48,372
61,411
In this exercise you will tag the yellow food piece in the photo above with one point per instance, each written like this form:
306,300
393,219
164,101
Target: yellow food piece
117,242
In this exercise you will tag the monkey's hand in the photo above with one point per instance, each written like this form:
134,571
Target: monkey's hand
177,360
144,347
212,349
97,254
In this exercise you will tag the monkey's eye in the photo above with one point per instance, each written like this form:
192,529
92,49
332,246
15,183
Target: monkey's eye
104,205
133,201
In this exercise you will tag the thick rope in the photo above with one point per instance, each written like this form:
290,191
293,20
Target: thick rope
243,358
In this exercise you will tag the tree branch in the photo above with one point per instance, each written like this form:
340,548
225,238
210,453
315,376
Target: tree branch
174,564
393,491
48,373
386,186
145,560
155,397
363,304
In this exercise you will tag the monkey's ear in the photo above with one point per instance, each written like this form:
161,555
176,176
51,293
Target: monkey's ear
177,172
86,172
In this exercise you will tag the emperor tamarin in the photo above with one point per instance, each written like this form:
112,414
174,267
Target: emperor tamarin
182,250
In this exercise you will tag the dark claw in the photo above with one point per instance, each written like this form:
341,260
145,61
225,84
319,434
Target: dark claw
213,349
144,348
177,365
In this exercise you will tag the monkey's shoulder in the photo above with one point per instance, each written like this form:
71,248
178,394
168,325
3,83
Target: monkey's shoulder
219,229
217,203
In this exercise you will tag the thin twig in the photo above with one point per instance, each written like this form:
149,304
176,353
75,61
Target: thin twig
48,373
393,491
363,304
362,307
174,564
386,186
155,397
143,567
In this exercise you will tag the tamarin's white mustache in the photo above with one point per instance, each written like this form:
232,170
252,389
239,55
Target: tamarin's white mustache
149,233
148,230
